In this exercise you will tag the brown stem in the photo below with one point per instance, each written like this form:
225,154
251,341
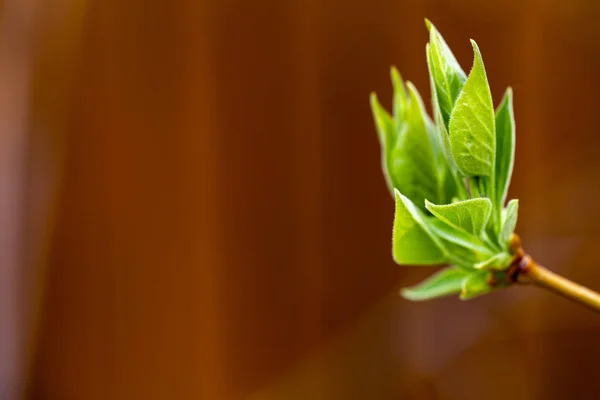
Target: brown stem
547,279
527,271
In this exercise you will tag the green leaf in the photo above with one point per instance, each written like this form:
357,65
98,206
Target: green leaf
407,152
412,163
449,233
471,215
509,222
475,285
422,240
505,147
498,261
447,75
384,124
413,241
400,99
443,283
461,256
451,185
437,116
472,125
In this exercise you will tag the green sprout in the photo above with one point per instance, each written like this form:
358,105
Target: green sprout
450,177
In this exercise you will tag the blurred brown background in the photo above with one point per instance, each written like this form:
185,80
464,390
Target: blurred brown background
192,205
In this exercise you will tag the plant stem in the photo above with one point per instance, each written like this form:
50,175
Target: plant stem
542,277
524,270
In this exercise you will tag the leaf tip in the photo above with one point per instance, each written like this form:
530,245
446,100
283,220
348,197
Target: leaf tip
508,96
413,93
475,48
402,199
412,295
428,204
397,80
395,74
407,294
373,99
428,24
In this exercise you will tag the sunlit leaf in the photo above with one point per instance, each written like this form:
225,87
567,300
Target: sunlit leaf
413,241
498,261
449,233
400,98
471,215
447,75
443,283
476,284
410,158
472,125
509,222
384,124
505,148
413,168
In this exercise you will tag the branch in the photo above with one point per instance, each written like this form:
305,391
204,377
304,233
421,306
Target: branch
525,270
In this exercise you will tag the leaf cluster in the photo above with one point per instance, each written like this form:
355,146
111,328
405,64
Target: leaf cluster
450,175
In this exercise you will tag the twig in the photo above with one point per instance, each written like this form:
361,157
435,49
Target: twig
525,270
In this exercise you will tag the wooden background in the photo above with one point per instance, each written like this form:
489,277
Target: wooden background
193,206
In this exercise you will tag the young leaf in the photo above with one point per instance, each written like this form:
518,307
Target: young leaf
443,283
437,114
413,241
448,233
400,99
505,147
461,256
499,261
475,285
384,125
412,163
471,215
472,126
447,75
509,222
448,174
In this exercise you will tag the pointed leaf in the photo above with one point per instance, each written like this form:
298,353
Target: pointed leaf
498,262
461,256
443,283
437,114
400,98
447,233
471,215
505,147
472,126
509,222
384,124
412,162
475,285
448,173
448,77
413,241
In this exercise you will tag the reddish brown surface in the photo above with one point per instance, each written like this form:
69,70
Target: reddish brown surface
222,225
